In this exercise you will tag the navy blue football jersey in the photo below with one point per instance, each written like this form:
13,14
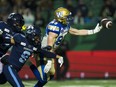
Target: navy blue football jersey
5,37
21,51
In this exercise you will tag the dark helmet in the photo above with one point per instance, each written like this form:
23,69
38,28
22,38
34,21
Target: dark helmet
16,21
33,34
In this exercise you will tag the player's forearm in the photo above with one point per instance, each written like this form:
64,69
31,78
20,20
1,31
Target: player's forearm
48,54
79,32
86,31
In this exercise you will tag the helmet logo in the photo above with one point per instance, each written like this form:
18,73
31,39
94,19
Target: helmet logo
30,29
11,15
59,14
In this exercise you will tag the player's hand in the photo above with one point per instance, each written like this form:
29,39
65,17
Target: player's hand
97,28
4,59
60,61
48,66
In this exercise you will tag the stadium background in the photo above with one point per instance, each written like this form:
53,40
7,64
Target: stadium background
89,56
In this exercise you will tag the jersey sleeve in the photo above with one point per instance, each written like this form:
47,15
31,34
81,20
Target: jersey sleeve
18,38
53,28
5,32
47,53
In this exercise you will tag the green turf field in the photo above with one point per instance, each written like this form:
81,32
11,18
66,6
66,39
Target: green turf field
72,83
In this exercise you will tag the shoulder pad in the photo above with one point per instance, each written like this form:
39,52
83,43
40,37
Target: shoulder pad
19,38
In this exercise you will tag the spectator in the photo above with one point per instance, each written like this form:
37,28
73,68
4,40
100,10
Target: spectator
28,17
31,4
108,10
69,5
82,7
39,20
78,18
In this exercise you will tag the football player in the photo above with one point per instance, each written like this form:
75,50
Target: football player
23,47
13,25
56,30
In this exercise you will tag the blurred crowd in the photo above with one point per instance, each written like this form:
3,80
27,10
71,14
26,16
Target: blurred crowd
40,12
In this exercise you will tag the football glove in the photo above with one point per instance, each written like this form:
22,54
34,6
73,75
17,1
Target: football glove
48,66
60,61
4,59
95,30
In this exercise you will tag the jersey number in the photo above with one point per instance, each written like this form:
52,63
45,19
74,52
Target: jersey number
25,55
59,40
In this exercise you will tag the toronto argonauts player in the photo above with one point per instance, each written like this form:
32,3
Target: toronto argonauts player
13,25
56,30
23,47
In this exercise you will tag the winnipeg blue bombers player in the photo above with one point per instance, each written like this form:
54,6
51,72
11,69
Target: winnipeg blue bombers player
56,30
23,47
13,25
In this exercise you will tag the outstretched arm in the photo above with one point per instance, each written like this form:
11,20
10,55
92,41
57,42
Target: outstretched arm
49,54
85,31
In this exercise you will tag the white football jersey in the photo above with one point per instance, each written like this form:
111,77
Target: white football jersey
58,28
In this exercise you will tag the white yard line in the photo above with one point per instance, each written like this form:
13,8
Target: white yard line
78,86
82,86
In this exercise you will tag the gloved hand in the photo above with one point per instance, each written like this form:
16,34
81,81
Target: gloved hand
4,59
97,28
48,66
60,61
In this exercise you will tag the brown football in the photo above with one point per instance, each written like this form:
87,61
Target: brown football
106,23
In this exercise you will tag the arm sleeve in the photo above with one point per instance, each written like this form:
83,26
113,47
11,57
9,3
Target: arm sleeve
47,53
6,37
17,38
5,32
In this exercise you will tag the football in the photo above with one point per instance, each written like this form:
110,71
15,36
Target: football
106,23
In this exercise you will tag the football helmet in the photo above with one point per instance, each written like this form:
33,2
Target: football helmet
33,34
63,15
16,21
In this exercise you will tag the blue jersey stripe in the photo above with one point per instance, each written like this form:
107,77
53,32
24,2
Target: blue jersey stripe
12,74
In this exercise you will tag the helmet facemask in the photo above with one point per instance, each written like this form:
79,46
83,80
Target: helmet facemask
16,21
33,35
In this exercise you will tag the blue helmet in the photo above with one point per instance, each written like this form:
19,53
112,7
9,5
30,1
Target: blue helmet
33,34
16,21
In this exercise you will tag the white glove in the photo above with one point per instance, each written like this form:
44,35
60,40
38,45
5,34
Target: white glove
96,30
60,61
48,66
